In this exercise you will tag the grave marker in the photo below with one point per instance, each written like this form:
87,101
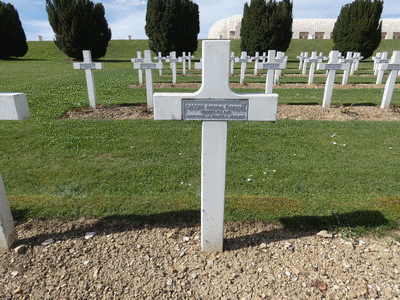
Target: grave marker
382,60
271,65
8,234
264,57
172,61
331,67
198,65
280,58
305,58
301,58
139,59
354,66
214,104
232,59
393,67
256,58
348,60
13,106
376,60
148,65
160,59
312,60
89,66
184,59
190,56
244,59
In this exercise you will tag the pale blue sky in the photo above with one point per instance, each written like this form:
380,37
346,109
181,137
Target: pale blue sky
127,17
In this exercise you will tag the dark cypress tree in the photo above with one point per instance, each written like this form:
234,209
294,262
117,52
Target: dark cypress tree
79,25
172,25
12,35
358,27
266,26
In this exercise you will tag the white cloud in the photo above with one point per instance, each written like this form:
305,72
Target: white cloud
34,28
131,24
132,2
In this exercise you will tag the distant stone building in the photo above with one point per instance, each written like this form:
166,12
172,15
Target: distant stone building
302,28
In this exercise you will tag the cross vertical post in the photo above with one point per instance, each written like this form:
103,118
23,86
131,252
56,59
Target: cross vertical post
173,60
305,63
280,58
232,58
301,58
393,67
190,56
346,61
89,66
214,104
243,60
256,58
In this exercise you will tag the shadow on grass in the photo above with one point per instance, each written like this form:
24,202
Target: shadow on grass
289,227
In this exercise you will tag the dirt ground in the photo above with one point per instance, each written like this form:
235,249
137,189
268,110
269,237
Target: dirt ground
109,259
105,259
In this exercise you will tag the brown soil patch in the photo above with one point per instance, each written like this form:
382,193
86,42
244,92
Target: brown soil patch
296,112
126,260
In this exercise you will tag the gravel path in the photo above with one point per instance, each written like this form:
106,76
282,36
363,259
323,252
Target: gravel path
99,259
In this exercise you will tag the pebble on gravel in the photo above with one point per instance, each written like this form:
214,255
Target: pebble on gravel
325,234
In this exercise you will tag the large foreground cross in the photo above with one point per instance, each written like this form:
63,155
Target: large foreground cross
214,104
89,66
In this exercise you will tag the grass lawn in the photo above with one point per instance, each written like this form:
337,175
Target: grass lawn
150,170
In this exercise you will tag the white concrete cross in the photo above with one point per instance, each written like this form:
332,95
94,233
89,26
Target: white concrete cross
244,59
232,59
304,71
89,66
148,65
382,60
160,59
139,59
184,59
214,104
264,57
312,60
348,60
190,56
256,58
331,67
301,58
8,234
271,65
393,67
376,60
280,58
354,66
173,60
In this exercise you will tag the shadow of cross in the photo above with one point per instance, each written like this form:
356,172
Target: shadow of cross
89,66
214,104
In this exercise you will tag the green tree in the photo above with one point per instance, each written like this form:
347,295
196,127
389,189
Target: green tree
12,35
266,26
79,25
172,25
358,27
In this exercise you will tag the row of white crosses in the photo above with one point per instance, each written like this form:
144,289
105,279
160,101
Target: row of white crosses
393,67
214,104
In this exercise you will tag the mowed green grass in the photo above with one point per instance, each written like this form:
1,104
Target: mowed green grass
150,170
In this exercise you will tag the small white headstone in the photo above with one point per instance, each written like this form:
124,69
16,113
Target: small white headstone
128,37
8,235
13,106
393,67
89,66
148,65
39,38
214,104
